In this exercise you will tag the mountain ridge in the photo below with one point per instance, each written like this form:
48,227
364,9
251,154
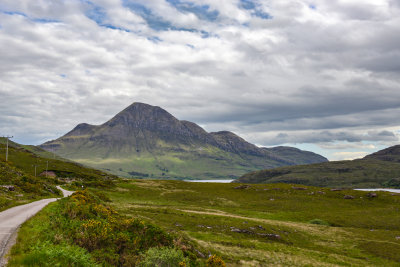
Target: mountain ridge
155,141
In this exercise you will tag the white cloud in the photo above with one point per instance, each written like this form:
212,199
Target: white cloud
323,71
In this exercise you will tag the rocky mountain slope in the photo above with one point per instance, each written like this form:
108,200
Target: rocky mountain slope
380,169
147,141
391,154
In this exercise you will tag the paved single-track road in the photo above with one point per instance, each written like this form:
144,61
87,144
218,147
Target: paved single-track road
11,219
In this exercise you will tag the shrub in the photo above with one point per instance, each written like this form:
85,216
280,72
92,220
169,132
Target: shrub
164,257
215,261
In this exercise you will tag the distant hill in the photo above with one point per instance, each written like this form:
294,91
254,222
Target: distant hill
145,141
391,154
380,169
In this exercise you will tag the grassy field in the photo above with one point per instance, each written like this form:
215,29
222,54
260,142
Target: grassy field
278,224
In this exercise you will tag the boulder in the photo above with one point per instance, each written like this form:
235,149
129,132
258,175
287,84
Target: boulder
371,195
242,186
271,236
299,188
9,187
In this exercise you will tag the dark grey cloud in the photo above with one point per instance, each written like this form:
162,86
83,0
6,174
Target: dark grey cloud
329,139
328,136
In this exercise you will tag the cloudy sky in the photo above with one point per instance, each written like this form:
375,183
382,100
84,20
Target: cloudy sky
319,75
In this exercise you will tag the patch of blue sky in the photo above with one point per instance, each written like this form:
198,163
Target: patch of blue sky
96,13
12,13
38,20
99,15
254,8
205,34
312,6
154,39
43,20
156,22
62,75
153,21
110,26
261,14
203,12
247,4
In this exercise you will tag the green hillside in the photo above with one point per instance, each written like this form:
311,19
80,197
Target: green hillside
166,163
145,141
34,161
381,169
18,187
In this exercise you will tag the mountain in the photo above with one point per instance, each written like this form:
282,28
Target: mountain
380,169
147,141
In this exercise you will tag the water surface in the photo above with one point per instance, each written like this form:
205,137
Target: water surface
381,189
209,181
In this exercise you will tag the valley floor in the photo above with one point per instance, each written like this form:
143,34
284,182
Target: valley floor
271,224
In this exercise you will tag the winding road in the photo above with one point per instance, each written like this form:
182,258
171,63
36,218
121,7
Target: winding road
11,219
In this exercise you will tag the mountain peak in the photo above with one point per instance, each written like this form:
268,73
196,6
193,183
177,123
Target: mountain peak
140,106
144,116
